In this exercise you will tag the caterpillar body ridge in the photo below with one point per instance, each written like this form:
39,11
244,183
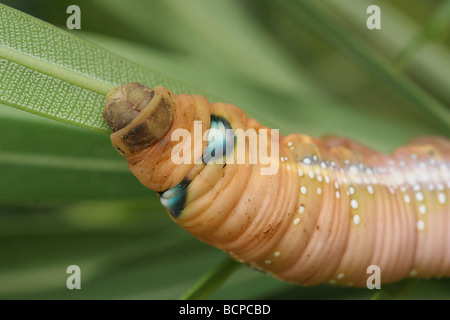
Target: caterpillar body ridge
333,208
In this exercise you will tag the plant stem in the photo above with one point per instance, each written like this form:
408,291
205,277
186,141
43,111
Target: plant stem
209,283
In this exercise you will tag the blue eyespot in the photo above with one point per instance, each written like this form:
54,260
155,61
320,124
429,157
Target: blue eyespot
220,140
174,199
220,143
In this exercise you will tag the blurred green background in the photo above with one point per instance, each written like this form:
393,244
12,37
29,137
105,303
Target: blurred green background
67,197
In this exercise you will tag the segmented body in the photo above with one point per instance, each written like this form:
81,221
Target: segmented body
333,208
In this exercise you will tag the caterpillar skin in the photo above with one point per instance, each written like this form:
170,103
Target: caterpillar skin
333,208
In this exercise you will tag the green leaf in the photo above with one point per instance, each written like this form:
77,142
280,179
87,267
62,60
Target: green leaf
342,38
53,73
436,27
428,66
46,161
197,28
395,291
123,257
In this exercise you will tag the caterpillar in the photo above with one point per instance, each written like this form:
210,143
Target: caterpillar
333,207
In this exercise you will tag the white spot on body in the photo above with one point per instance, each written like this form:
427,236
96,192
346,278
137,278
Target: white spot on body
423,209
356,219
338,195
419,196
301,209
370,189
442,198
340,276
267,261
276,254
407,198
354,203
319,191
296,221
303,190
307,161
351,190
420,225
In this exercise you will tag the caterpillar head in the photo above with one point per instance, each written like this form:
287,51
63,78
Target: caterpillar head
138,116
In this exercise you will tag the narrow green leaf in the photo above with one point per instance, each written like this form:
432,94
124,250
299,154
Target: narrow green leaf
55,74
327,26
125,258
46,161
395,291
211,281
198,28
429,67
53,70
436,27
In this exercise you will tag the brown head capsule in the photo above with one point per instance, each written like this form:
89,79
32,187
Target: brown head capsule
138,115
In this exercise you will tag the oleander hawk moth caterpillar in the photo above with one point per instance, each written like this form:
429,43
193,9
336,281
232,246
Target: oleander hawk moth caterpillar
333,207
